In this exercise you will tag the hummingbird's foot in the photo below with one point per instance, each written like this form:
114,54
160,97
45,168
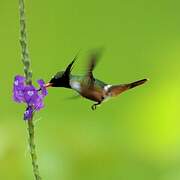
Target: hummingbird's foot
94,106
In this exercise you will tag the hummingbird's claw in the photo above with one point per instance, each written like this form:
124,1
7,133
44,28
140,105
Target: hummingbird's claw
94,106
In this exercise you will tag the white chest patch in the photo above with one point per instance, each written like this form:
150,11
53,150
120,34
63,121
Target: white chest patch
106,88
75,85
107,95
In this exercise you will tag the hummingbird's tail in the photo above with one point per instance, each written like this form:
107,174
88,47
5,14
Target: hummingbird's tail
118,89
136,83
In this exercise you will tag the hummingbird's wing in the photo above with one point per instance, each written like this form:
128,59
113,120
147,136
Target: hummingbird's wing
93,59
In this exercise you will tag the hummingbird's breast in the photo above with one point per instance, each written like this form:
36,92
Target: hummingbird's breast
76,85
94,92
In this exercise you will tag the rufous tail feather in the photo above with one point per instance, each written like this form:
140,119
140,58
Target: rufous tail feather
118,89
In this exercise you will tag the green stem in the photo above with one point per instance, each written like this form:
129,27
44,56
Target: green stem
24,45
33,150
28,74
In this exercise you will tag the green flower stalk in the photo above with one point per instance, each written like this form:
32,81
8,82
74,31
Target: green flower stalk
28,76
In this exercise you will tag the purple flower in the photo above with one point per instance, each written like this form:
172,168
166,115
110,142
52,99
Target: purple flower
30,95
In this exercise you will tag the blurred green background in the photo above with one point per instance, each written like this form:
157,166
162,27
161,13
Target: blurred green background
135,136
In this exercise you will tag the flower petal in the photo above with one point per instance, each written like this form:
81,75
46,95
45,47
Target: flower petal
42,87
39,103
19,82
30,94
18,96
28,113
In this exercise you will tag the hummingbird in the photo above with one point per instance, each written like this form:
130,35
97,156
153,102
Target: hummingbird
87,85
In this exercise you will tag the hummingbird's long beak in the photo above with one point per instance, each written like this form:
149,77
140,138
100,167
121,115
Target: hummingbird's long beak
48,85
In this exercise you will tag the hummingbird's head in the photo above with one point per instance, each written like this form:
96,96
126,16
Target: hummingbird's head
59,80
62,78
